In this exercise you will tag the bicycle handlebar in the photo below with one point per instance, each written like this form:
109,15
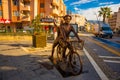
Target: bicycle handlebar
73,42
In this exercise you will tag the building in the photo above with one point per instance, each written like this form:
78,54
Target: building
78,19
115,20
16,14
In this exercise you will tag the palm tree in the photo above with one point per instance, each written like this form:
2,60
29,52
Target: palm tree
105,12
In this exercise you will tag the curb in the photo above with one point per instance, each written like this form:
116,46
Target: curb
33,49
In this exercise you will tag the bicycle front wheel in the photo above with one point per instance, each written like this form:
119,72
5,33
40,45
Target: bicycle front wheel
76,63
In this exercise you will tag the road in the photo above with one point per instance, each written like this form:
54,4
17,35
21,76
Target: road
106,56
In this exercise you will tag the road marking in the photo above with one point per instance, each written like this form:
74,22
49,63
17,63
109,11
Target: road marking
24,49
95,49
106,47
111,61
115,57
97,68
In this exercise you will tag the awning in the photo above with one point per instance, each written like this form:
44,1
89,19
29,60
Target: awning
47,24
5,21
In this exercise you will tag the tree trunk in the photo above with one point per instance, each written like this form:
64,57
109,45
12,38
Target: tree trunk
104,18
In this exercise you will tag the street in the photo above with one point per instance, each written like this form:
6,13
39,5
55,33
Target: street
105,55
19,62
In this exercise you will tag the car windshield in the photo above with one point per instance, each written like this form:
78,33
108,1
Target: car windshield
106,28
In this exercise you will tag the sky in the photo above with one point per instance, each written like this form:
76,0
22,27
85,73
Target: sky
89,8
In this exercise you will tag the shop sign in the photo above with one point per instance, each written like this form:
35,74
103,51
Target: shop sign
47,20
2,21
5,21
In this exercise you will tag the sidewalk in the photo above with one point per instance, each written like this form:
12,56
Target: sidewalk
19,62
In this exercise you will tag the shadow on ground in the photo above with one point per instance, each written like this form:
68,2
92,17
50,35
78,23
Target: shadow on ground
26,66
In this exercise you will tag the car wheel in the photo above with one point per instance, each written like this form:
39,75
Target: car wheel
101,36
96,35
110,37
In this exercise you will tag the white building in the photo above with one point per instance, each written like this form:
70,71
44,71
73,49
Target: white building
78,19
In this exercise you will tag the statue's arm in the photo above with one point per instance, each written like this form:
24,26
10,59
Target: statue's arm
73,30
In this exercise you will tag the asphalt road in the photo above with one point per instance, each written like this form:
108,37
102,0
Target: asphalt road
105,56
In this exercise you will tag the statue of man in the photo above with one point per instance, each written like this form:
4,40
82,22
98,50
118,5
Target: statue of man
63,35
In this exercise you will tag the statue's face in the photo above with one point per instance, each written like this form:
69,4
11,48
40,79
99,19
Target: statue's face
67,19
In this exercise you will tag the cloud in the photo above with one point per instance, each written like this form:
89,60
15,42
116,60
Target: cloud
91,13
82,2
106,3
76,9
65,0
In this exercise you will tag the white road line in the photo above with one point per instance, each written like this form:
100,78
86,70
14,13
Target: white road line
111,61
24,49
110,57
97,68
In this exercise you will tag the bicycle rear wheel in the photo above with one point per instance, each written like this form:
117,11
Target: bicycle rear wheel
59,53
76,63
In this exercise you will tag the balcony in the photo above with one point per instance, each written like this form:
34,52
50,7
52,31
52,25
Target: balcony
25,8
55,3
55,12
25,18
61,8
26,0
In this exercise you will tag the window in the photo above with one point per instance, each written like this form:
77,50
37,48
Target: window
0,2
57,0
106,28
15,13
15,2
42,14
26,3
0,13
41,5
53,7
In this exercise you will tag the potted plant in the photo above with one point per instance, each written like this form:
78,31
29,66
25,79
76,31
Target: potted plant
39,36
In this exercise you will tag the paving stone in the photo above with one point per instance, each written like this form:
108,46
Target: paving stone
28,66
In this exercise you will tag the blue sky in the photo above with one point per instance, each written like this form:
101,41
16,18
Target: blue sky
90,8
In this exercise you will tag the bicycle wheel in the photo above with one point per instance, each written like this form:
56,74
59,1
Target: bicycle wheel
59,53
76,63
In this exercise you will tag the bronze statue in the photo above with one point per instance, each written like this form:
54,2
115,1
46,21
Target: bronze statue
63,35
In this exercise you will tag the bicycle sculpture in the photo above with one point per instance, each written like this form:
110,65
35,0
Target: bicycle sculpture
70,58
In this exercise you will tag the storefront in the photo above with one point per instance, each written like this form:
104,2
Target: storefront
5,25
48,26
